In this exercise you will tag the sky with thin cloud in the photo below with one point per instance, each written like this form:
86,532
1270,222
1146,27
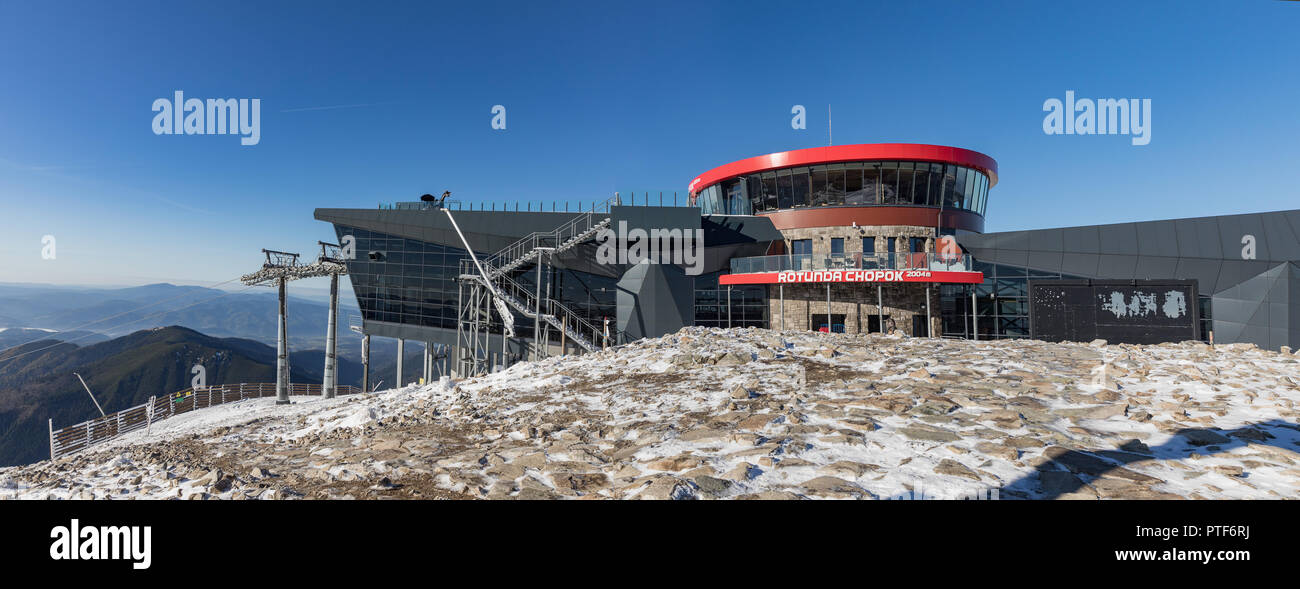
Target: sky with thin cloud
368,103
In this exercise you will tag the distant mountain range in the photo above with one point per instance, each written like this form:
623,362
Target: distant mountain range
16,336
115,312
37,381
131,343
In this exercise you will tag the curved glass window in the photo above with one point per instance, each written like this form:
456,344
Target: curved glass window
801,185
921,185
784,190
852,183
905,173
889,183
818,179
848,184
835,184
970,190
959,199
936,185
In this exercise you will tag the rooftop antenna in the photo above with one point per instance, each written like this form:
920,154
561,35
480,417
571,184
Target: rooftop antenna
830,127
92,395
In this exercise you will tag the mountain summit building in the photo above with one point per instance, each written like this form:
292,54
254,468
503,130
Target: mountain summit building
849,238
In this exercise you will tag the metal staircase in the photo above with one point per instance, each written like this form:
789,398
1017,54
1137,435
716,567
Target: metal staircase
576,328
489,284
520,253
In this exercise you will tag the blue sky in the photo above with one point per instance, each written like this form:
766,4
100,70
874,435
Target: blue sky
379,101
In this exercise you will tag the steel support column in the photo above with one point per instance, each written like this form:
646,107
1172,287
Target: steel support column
329,382
929,325
537,313
728,306
365,363
282,345
401,354
830,325
880,308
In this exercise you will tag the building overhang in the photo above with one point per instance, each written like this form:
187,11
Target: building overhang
875,215
917,152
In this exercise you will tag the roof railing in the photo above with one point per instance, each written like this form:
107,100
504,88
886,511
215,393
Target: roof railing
855,261
648,198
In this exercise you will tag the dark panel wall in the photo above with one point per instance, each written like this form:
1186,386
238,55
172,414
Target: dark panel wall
1129,312
1247,263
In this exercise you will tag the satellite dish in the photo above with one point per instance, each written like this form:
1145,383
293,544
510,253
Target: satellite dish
427,197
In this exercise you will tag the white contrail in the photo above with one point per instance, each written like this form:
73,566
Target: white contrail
334,106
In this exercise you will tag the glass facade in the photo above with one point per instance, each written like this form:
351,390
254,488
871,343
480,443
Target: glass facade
1002,302
748,303
399,280
851,184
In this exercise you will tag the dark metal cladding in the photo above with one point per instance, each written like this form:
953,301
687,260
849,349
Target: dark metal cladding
1118,311
1245,266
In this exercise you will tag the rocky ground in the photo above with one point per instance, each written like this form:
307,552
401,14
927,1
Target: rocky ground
747,414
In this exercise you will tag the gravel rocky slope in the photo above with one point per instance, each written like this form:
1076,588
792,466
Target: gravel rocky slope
745,414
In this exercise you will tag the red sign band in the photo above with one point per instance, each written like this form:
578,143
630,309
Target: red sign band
807,276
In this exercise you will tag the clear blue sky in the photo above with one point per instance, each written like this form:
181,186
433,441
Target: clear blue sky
602,96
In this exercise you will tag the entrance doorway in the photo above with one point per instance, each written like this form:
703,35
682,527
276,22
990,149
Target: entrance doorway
836,325
873,323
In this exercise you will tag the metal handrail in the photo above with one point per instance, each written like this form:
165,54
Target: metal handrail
80,436
564,234
493,273
555,309
647,199
553,312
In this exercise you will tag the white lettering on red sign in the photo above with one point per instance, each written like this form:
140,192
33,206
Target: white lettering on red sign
792,276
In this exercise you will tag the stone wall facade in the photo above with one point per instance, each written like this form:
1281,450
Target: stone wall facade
821,237
805,304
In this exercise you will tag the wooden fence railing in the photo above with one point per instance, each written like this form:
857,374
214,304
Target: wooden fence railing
74,438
